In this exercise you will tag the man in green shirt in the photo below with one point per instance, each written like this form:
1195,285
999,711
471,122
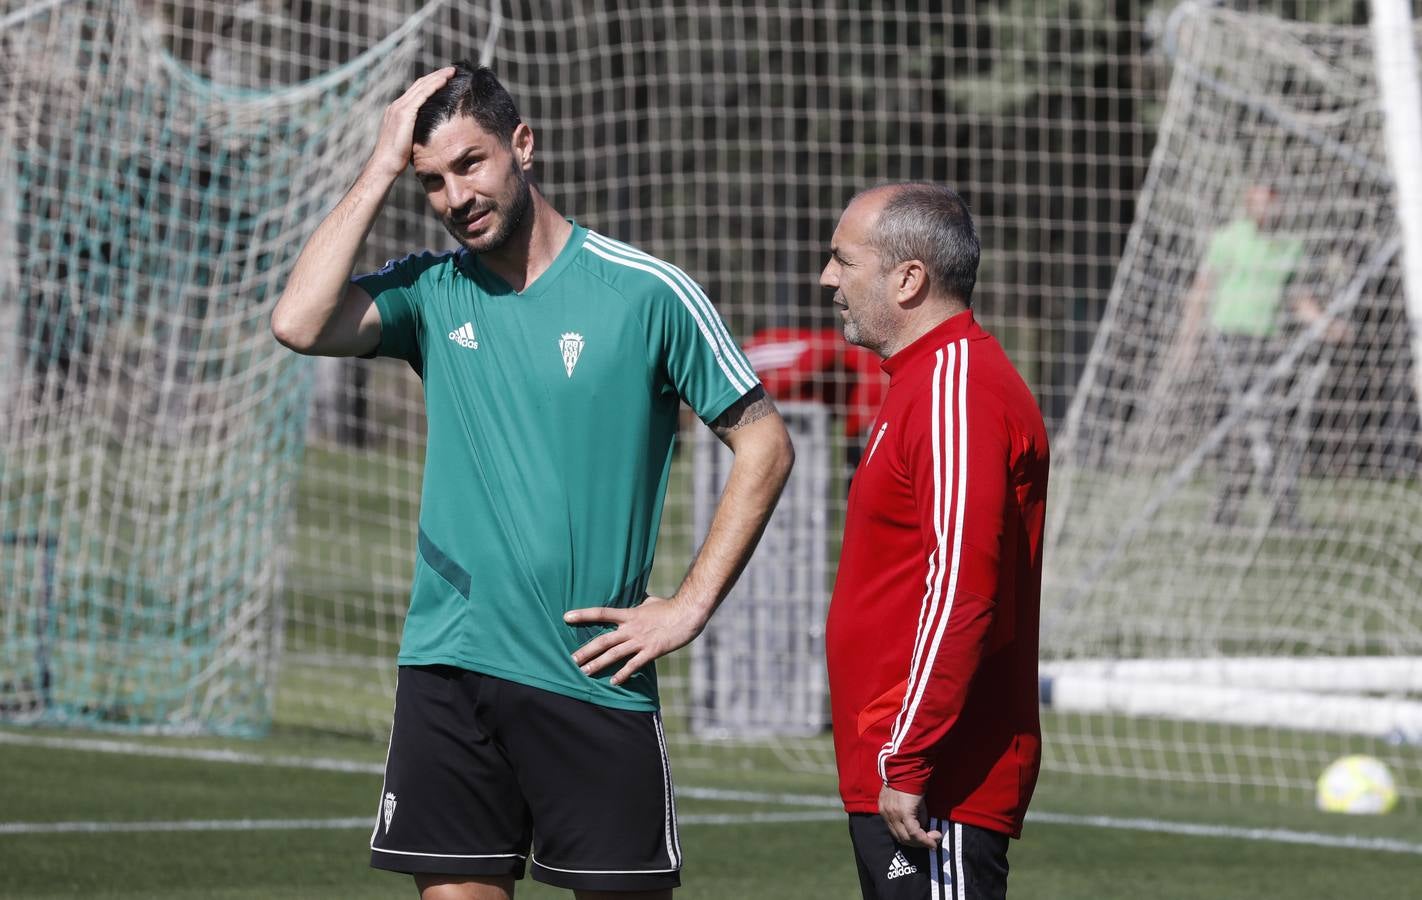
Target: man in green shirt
1243,296
554,361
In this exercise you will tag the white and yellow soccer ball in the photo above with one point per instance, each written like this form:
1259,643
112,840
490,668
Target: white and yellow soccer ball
1360,785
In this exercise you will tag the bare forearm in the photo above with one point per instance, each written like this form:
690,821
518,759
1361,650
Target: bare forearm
755,433
762,463
311,303
659,626
316,313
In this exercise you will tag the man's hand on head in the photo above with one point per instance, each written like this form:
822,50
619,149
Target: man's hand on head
397,127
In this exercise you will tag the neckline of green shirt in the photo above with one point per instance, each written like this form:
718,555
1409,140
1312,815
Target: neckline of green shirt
495,286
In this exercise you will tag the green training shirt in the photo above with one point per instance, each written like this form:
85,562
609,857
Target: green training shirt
551,419
1251,270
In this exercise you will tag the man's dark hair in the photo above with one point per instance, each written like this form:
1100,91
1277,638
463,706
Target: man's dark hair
930,223
472,91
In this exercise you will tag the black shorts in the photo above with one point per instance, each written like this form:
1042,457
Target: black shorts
969,864
483,774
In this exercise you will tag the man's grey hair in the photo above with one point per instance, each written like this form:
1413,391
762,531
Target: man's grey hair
930,223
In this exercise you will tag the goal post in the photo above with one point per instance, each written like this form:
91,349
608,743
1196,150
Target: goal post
1401,98
1233,537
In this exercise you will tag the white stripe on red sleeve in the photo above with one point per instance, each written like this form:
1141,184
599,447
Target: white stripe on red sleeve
950,478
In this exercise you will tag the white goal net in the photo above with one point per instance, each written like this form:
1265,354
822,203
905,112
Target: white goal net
1235,548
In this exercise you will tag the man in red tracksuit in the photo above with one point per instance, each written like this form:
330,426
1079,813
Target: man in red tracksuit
932,633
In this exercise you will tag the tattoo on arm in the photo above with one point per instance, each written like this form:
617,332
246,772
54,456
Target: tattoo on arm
755,405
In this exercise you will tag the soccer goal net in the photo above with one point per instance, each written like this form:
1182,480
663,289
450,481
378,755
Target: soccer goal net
150,431
1235,549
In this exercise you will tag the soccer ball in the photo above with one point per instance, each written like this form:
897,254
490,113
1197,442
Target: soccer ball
1359,785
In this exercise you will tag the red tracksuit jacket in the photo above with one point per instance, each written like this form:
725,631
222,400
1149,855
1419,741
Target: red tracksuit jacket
932,634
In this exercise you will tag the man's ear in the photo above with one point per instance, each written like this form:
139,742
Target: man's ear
909,280
522,143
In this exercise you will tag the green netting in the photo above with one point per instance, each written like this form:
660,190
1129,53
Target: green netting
152,427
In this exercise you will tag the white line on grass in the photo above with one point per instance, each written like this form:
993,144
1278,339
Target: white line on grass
823,800
1194,829
755,818
181,825
1201,829
362,823
1274,835
95,745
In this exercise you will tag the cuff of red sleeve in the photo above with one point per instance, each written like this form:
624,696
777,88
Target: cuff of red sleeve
907,775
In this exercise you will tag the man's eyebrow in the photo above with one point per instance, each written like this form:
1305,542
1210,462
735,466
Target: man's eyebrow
462,157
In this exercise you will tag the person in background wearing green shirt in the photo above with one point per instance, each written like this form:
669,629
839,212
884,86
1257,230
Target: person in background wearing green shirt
1244,298
555,361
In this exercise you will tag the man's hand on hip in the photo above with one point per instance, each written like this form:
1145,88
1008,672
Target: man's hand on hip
906,814
655,628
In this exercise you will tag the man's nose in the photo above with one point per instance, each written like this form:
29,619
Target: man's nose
457,195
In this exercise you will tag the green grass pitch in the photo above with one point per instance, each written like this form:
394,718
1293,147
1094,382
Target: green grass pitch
729,857
1092,836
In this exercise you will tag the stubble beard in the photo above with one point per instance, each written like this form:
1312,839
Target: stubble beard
852,333
872,338
512,220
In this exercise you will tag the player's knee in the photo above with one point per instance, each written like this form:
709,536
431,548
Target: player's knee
464,887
